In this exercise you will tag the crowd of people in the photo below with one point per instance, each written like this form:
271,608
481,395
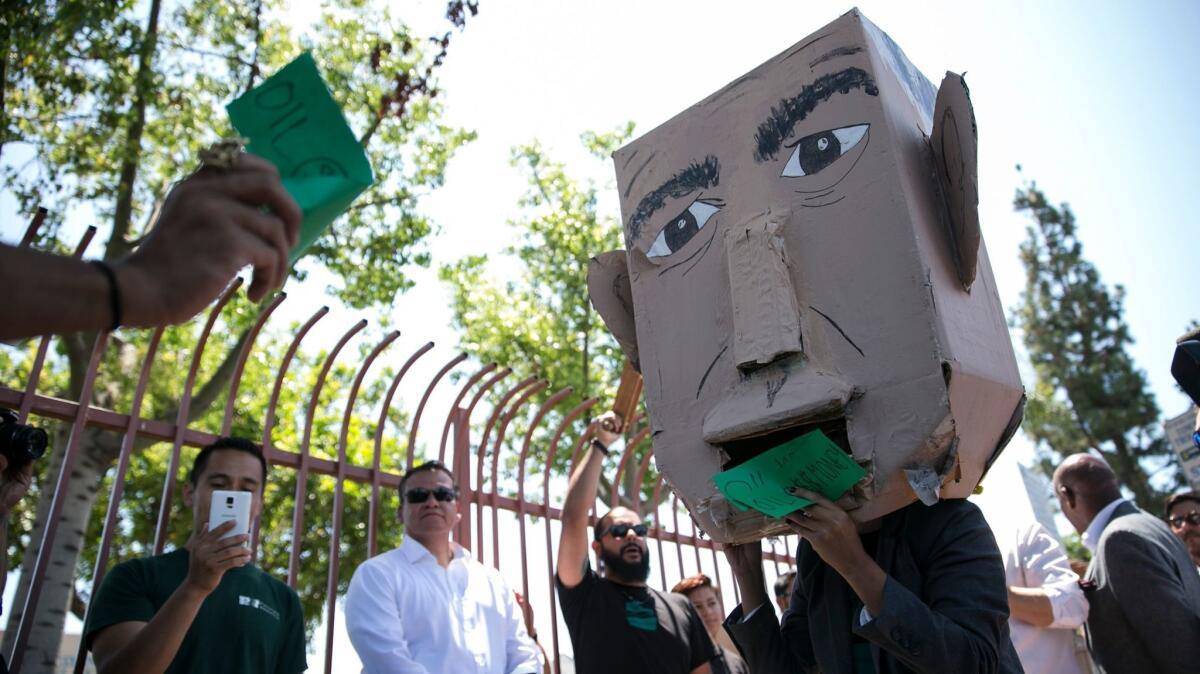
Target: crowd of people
926,589
923,589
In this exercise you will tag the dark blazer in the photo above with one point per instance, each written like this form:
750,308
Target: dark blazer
1144,594
945,604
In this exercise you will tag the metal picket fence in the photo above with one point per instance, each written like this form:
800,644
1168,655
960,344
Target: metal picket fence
472,438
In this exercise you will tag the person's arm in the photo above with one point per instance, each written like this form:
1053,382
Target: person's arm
1030,604
211,225
531,629
765,644
13,487
1052,597
581,496
135,647
1145,583
746,562
374,624
520,649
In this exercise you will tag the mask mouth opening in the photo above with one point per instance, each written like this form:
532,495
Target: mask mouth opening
743,449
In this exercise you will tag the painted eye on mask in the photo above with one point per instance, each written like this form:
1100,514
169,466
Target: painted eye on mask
676,233
814,152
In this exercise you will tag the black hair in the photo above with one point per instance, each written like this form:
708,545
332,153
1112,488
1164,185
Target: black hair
602,525
605,522
424,468
235,444
783,584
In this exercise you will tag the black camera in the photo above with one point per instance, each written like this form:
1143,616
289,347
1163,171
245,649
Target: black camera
20,443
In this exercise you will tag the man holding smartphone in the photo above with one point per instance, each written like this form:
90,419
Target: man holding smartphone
204,607
428,606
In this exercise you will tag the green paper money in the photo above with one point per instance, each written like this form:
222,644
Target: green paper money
811,461
293,122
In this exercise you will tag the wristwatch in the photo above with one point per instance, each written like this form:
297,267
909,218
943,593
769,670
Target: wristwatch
600,446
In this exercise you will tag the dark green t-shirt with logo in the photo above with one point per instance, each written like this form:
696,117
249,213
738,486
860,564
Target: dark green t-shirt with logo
250,623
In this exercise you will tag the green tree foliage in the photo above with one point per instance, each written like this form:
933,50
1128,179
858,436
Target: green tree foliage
1089,394
540,321
104,105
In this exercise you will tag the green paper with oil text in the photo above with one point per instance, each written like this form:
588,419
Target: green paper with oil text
293,122
811,461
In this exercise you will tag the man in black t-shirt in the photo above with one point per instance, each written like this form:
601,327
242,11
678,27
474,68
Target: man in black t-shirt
203,608
616,622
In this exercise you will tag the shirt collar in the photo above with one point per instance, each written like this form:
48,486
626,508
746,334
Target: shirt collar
1091,537
414,551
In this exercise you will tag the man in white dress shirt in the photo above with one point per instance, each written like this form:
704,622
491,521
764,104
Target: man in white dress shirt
1045,602
428,606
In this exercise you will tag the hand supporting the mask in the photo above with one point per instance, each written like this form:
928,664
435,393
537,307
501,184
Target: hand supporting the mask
834,536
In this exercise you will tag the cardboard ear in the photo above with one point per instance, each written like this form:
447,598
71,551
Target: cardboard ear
611,294
955,154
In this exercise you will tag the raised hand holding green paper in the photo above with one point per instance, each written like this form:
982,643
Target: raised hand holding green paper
293,122
811,461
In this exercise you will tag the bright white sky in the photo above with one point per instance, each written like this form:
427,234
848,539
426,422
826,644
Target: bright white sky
1095,100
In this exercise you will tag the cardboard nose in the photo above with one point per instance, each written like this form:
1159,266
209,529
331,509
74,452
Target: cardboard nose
766,316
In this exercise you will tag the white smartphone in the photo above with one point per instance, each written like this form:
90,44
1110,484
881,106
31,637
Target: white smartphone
230,506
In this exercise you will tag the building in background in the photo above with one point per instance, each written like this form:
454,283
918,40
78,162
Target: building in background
1179,436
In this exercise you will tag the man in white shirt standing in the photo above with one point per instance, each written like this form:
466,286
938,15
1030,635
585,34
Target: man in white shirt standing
427,606
1045,603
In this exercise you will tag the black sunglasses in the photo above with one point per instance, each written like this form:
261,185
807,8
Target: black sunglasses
1192,518
421,495
620,530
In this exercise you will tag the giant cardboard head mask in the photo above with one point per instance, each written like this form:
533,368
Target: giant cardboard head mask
803,252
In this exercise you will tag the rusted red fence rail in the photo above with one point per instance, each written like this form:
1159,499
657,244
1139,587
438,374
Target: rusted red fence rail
478,444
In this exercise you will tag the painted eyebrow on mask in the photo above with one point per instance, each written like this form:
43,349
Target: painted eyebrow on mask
778,126
834,53
697,176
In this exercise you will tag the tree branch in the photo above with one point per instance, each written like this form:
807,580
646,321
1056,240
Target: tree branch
117,245
257,43
211,389
208,52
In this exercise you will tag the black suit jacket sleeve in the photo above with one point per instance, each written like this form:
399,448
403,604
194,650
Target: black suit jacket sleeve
959,623
1142,578
769,648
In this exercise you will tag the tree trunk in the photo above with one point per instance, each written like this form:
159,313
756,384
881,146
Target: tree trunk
3,90
98,451
118,245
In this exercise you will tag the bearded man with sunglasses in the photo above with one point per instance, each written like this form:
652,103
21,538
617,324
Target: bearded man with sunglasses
616,622
428,606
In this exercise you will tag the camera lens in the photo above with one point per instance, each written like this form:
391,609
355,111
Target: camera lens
33,440
229,501
20,443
